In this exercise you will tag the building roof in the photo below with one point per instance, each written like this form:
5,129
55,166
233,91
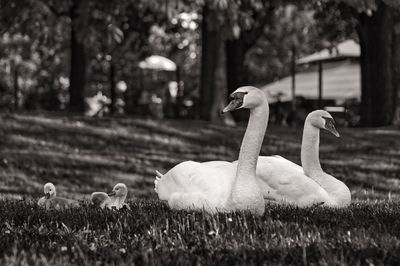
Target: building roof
346,49
340,81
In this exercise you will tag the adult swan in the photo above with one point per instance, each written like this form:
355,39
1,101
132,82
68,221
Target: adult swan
284,181
221,186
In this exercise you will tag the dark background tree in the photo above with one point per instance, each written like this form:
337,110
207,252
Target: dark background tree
211,61
375,25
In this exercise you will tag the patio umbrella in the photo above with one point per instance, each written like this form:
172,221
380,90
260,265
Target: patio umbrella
157,62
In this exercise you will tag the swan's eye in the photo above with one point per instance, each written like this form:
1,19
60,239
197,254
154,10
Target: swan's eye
329,120
238,95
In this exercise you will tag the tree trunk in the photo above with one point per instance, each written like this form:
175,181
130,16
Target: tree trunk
78,67
113,92
220,94
236,70
235,67
212,41
396,69
375,34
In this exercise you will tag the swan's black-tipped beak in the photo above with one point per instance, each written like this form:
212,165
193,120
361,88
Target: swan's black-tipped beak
232,105
236,102
47,195
330,126
112,193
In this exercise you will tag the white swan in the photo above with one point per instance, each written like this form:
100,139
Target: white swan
220,186
51,201
114,199
284,181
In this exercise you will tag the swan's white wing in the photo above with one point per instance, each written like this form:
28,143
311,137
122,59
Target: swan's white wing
282,160
212,179
217,164
269,168
284,181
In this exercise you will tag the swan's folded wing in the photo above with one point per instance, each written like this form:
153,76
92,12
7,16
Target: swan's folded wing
285,181
276,169
217,164
282,160
210,178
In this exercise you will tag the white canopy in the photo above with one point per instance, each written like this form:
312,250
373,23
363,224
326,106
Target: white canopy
157,62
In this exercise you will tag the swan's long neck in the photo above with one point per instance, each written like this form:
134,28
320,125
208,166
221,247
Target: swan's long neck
246,194
310,151
339,192
252,141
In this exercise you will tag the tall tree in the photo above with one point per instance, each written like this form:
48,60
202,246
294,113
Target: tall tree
78,14
376,62
396,67
212,67
376,20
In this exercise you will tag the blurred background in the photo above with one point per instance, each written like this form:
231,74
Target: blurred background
181,59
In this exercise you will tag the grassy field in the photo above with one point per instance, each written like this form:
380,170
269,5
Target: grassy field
81,155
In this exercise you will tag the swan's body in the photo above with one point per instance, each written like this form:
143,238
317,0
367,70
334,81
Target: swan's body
115,199
51,201
219,186
197,185
284,181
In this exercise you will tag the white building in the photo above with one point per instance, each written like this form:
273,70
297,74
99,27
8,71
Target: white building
337,68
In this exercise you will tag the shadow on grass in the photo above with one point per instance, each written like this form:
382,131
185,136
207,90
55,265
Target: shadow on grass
83,154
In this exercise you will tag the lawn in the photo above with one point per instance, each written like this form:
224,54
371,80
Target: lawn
81,155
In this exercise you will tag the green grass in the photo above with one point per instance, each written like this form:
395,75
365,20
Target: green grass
81,155
152,234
